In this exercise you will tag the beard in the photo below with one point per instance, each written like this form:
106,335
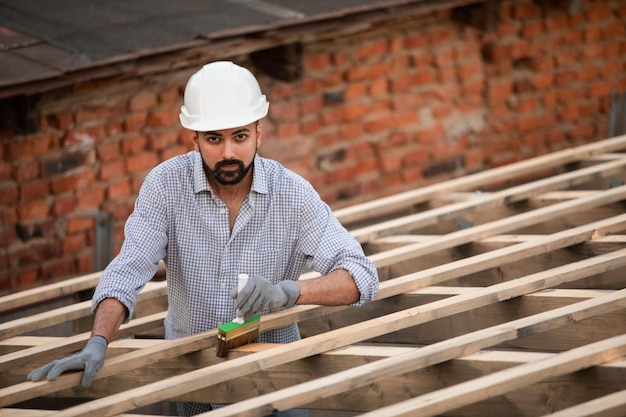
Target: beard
228,176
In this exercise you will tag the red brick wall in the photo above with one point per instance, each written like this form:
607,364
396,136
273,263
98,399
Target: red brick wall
408,103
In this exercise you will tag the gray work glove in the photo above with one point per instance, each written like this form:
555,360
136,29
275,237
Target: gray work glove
90,359
259,295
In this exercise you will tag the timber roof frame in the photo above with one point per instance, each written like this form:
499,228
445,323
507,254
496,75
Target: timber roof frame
516,273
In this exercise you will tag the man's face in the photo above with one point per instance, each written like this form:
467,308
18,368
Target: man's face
227,155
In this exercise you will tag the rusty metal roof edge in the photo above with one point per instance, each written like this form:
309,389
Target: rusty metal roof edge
114,66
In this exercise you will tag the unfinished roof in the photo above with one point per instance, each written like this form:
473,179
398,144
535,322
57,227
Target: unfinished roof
50,40
502,293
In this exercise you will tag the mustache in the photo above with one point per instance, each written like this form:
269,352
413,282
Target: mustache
229,163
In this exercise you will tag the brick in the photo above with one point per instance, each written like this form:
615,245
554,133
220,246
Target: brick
64,205
348,131
444,56
565,78
592,34
372,49
79,224
340,58
282,91
135,122
507,28
380,124
600,89
33,209
164,117
8,192
34,189
499,89
144,100
61,121
25,170
469,69
525,11
288,130
354,111
614,29
569,113
171,94
162,140
532,28
119,189
526,105
113,128
391,161
284,111
87,114
5,170
75,181
108,150
141,162
316,62
441,35
56,268
174,151
311,126
598,13
74,243
556,21
133,145
311,105
84,262
355,90
90,197
416,41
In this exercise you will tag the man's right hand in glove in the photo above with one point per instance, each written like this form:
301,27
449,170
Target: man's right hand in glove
90,359
259,294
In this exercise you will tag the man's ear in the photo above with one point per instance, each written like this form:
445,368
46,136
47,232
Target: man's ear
195,141
259,134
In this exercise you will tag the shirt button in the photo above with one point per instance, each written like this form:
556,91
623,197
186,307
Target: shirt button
226,249
222,211
222,285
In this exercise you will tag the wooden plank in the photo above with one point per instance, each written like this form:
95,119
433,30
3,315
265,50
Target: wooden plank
401,201
67,287
488,201
70,312
64,346
502,382
612,405
427,356
565,337
387,289
497,227
201,378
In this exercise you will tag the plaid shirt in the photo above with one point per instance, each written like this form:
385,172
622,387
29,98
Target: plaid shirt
282,226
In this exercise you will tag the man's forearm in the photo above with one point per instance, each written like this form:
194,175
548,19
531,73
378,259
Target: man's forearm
109,317
334,289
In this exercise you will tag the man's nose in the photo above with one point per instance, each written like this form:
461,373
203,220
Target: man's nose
229,149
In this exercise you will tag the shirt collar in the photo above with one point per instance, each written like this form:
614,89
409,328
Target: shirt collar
259,176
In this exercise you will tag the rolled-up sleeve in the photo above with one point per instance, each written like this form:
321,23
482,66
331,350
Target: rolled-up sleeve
145,242
332,247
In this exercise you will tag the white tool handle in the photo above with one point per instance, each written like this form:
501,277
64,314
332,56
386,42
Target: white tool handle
242,280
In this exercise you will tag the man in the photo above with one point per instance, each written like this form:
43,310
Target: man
214,213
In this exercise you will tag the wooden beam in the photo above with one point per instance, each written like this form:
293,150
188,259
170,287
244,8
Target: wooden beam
565,337
405,200
488,201
430,355
603,380
508,380
70,312
497,227
612,405
387,289
201,378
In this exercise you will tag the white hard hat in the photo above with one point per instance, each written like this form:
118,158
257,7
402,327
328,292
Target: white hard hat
220,96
